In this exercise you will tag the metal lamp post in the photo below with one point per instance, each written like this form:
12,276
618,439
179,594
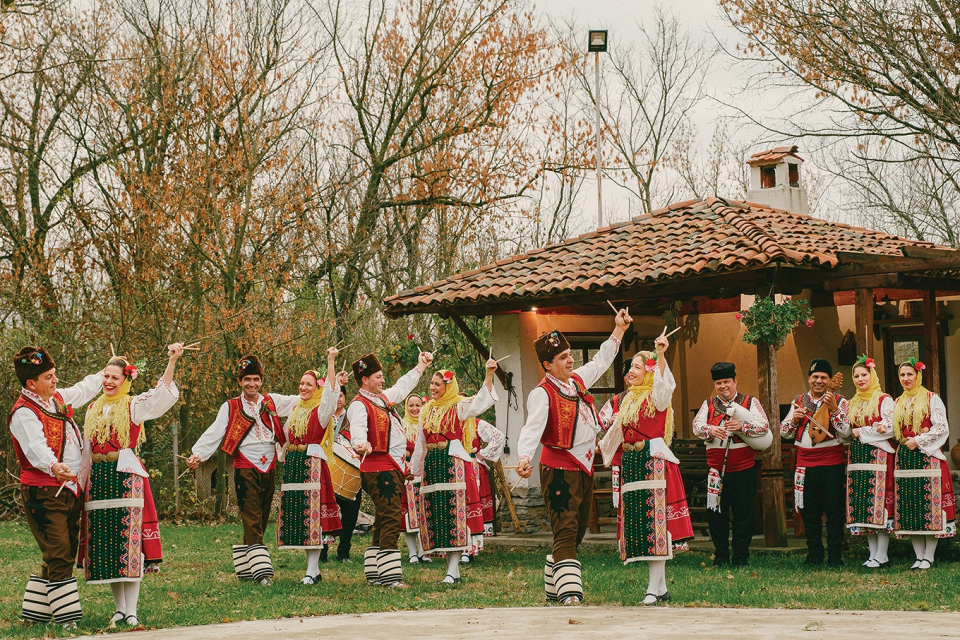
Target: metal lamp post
597,43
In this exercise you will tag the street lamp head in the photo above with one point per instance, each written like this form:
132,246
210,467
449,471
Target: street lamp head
597,40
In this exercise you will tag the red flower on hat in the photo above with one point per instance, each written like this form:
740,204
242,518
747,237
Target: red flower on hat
447,377
650,364
870,363
919,366
130,371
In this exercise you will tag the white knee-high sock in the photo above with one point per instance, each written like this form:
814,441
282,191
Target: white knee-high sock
313,562
919,545
883,543
872,543
657,582
131,593
453,564
119,598
930,547
412,544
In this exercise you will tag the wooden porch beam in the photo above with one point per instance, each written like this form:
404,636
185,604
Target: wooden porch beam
863,314
862,264
853,283
480,347
931,335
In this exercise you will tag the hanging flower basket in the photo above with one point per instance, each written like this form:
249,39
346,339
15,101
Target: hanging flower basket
770,323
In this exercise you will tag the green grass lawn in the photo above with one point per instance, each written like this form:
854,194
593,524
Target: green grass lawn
197,584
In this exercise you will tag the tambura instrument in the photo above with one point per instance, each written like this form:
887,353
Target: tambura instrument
344,471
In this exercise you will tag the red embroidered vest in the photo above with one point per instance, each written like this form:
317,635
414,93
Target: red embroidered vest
239,423
315,431
54,431
563,413
378,423
737,459
871,420
451,428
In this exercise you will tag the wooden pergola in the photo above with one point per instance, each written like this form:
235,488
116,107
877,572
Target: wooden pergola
703,252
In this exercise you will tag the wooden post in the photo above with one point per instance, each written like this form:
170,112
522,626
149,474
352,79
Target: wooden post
864,321
931,337
771,473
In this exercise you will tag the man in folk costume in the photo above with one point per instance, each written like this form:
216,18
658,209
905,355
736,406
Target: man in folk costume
819,483
349,507
377,435
732,478
561,416
247,428
450,490
48,445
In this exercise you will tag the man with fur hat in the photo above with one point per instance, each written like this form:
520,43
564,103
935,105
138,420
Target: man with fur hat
377,434
48,445
562,417
819,481
732,479
247,428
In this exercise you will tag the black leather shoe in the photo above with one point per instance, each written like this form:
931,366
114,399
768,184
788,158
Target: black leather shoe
719,561
813,561
664,597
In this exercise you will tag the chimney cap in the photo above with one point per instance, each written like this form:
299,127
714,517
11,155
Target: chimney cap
772,156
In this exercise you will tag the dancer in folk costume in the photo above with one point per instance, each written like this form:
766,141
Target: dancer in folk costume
487,448
412,501
308,506
377,435
608,413
248,429
653,515
925,506
451,496
115,503
870,463
49,449
349,507
732,477
561,416
819,483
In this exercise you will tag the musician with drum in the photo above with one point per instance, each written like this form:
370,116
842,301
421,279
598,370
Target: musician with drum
734,426
819,424
345,474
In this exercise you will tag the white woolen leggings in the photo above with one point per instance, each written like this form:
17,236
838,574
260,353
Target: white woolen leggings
878,546
657,584
313,562
125,596
925,547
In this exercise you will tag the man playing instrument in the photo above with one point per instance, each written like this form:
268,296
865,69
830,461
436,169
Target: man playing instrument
819,483
732,478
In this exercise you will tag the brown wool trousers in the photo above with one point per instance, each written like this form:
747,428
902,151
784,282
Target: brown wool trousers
385,489
254,500
55,524
568,496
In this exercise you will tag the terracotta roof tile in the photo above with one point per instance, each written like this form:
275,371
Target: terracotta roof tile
689,238
773,155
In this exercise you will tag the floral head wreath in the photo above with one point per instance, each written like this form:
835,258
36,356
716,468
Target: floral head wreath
650,363
863,360
916,364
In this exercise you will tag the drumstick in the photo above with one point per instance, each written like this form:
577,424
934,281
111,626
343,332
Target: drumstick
503,358
672,332
187,470
612,307
517,484
57,495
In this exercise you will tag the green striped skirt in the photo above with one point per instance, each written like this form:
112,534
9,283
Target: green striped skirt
113,525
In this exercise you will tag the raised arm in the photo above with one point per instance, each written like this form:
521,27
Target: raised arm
84,391
591,371
409,381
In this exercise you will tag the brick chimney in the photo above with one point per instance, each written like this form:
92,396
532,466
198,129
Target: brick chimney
775,180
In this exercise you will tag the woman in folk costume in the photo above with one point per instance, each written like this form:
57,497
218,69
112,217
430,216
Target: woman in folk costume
653,514
308,505
925,507
412,503
870,463
114,512
451,500
487,447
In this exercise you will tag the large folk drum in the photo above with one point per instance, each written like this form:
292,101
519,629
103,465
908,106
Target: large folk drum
344,471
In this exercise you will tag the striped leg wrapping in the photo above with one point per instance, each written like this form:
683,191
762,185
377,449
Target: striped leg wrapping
389,566
548,583
64,601
36,606
566,576
370,565
240,562
259,558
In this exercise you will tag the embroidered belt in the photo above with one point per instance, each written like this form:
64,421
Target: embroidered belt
437,445
634,446
296,447
113,456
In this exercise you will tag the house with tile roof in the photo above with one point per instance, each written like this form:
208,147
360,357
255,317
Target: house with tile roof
694,265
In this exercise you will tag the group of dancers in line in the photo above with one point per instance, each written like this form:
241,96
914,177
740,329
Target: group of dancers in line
86,491
87,495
